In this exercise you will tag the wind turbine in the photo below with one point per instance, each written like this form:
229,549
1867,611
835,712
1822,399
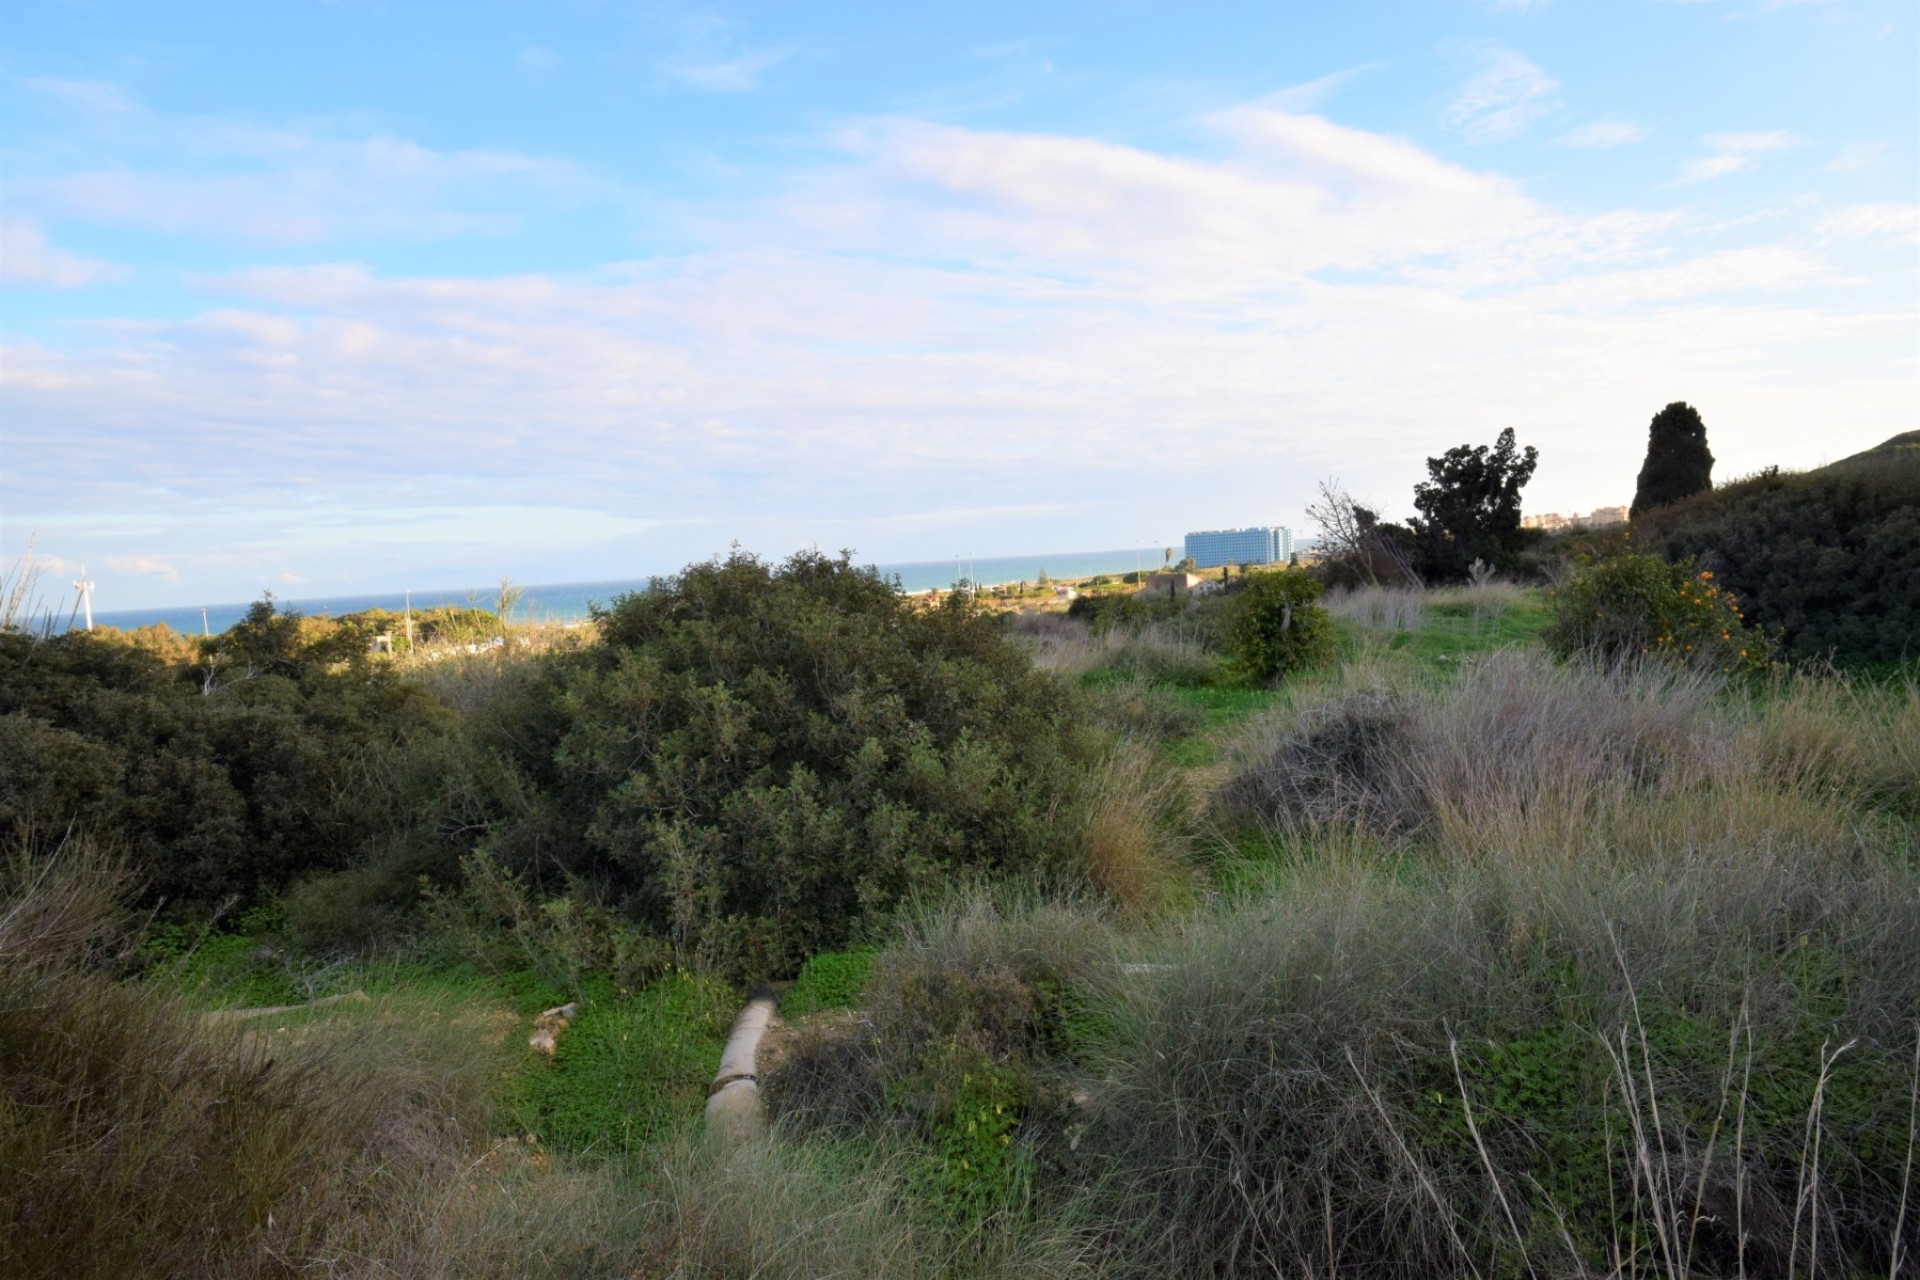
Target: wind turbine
84,585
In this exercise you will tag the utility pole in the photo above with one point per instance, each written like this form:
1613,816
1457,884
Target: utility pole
409,607
205,630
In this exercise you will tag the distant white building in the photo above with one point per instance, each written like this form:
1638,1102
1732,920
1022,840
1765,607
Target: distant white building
1261,544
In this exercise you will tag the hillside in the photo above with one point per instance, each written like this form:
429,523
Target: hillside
1829,557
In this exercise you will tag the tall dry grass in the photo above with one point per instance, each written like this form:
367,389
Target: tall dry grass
1378,610
1165,651
1551,1068
1521,758
1131,846
138,1138
803,1209
1567,971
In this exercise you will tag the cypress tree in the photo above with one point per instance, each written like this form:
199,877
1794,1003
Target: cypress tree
1678,464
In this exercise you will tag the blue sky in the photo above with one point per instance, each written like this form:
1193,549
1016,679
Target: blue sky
354,296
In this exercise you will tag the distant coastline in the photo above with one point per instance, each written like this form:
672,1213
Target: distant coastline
568,601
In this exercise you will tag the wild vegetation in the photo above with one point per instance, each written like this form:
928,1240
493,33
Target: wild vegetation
1829,557
1370,931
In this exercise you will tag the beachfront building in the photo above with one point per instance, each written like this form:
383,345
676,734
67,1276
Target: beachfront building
1266,544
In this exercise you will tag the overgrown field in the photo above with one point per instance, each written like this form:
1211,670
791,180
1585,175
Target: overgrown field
1438,955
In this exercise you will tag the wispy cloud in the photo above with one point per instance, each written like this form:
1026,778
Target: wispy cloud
737,74
1507,95
1311,94
1601,134
145,566
1735,152
1858,157
220,177
27,258
1882,221
538,60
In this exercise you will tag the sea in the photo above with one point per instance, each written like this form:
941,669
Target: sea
568,601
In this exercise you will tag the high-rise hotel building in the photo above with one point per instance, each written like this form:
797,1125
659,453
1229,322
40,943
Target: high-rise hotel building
1267,544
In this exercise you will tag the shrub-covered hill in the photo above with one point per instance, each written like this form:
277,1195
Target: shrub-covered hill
1829,556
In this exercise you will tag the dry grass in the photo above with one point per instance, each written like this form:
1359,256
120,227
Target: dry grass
835,1211
137,1138
1522,759
1130,848
1382,611
1362,1073
1163,651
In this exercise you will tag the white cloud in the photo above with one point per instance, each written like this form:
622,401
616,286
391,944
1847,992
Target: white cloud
145,566
1601,134
1735,152
538,60
940,320
1305,195
27,258
1508,94
1858,157
738,74
214,176
1882,221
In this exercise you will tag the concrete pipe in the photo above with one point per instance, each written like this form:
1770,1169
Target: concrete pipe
734,1111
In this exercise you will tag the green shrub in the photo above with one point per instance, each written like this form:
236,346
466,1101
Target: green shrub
1634,605
759,762
271,758
1274,627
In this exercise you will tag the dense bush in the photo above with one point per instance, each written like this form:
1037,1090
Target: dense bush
1829,557
280,752
1113,609
1273,626
1632,606
759,762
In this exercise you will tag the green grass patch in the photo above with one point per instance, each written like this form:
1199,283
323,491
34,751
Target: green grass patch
830,980
1221,706
1453,629
630,1067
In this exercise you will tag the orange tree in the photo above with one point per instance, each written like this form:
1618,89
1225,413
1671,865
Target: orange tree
1630,604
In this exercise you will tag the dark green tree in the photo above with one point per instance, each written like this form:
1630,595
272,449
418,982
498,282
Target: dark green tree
1678,464
1469,507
